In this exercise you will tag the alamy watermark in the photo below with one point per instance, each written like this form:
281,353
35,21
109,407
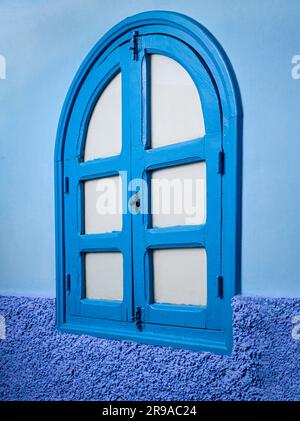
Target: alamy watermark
180,197
2,67
2,327
296,327
296,68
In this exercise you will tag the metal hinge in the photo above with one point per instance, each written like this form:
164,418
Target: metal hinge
134,45
68,282
139,318
220,286
67,184
221,167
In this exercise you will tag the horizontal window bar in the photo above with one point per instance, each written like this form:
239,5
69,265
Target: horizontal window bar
179,153
101,167
101,242
179,236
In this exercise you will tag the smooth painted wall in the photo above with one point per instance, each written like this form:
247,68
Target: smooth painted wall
44,43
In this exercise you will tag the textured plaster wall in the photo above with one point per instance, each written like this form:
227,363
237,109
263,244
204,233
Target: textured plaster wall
39,363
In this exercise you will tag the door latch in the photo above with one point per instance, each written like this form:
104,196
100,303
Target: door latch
136,202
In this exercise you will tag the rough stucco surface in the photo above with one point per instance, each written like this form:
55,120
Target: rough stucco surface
39,363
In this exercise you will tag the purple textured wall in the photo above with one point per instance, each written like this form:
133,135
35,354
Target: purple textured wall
39,363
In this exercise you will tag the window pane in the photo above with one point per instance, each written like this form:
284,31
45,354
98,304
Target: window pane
180,276
103,205
104,134
104,276
178,195
176,112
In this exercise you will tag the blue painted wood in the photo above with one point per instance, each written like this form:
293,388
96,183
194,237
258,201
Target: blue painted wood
207,63
154,334
180,153
208,148
77,242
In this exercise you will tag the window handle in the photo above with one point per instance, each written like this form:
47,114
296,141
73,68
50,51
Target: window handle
136,201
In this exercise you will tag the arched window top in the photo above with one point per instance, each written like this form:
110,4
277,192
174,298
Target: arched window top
176,110
169,23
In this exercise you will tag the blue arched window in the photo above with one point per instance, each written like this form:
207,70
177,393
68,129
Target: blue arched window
148,188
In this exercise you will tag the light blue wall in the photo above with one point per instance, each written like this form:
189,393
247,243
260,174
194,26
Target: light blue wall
45,41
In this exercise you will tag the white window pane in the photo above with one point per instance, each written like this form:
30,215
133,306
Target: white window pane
176,112
180,276
103,205
104,134
104,276
178,195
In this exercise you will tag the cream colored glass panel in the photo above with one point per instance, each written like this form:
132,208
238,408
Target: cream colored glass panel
104,276
103,205
178,195
176,112
180,276
104,135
